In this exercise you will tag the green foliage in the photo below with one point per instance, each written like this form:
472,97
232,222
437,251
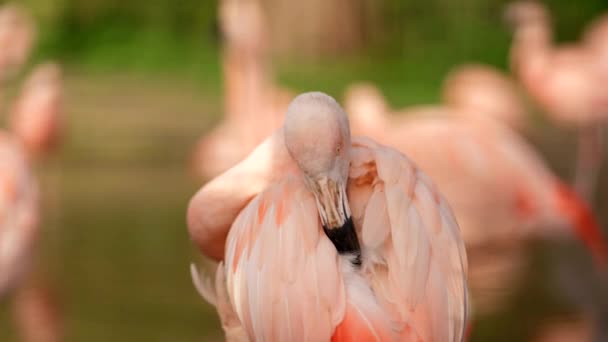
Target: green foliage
170,35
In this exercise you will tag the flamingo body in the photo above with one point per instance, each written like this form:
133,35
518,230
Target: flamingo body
279,234
286,279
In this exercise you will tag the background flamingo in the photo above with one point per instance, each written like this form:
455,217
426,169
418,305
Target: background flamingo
253,104
35,120
501,192
277,239
37,320
564,80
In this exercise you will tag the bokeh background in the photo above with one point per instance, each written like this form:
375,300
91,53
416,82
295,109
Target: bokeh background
143,82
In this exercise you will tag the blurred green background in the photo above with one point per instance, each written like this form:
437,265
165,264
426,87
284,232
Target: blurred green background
143,82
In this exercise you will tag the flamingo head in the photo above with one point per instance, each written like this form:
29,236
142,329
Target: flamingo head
242,23
525,12
17,34
317,136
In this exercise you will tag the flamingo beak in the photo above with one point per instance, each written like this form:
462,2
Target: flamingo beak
334,210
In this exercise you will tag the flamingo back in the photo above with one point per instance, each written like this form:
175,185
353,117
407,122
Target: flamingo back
414,257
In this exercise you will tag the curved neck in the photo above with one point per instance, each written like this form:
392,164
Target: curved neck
531,48
214,207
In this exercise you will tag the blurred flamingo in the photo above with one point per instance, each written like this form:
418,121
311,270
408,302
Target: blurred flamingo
35,123
564,80
17,34
253,104
37,114
390,265
500,190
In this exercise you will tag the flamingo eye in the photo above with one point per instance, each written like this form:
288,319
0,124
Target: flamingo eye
338,148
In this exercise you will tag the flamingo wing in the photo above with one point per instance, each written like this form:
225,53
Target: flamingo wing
282,273
413,253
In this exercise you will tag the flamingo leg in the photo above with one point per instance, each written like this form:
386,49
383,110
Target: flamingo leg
589,160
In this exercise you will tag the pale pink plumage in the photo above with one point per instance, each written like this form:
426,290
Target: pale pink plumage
253,105
284,277
500,190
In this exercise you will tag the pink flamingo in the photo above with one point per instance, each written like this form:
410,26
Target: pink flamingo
253,104
501,192
35,125
331,240
17,35
564,80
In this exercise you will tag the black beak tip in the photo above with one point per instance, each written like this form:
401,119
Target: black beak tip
345,240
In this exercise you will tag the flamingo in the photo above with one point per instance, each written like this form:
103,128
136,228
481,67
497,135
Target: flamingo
17,35
564,80
253,104
501,192
331,239
35,130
